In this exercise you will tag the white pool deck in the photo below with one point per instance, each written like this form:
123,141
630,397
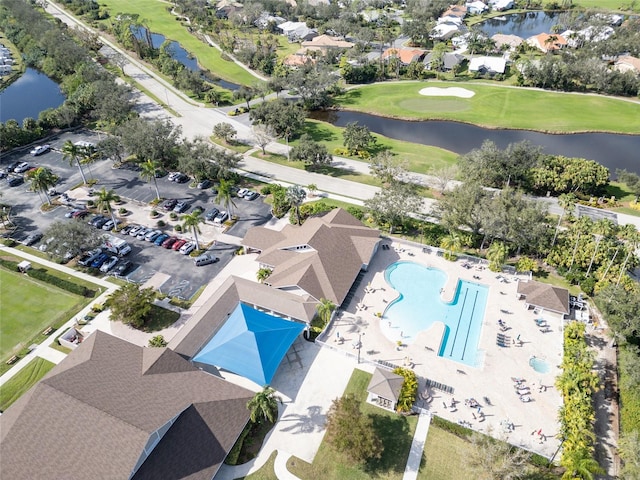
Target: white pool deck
491,378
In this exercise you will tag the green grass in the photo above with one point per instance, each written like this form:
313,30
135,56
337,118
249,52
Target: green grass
160,318
420,158
610,5
23,381
440,450
498,107
27,308
235,146
159,20
267,472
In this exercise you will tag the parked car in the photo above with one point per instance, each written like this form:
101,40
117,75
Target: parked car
109,264
23,167
123,267
179,244
211,214
251,195
80,213
127,229
13,165
101,222
88,257
221,217
40,149
160,239
169,204
182,178
240,193
181,207
160,173
135,231
152,235
99,260
15,181
143,233
110,225
172,176
206,183
205,259
70,213
168,242
187,248
3,174
92,221
31,239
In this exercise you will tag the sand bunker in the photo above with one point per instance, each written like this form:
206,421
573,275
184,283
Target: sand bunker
447,92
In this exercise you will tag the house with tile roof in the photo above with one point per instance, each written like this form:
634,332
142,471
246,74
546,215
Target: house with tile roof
546,42
326,43
627,63
112,409
510,42
320,258
544,296
459,11
405,55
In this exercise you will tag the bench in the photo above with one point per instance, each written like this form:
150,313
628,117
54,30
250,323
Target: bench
12,360
48,331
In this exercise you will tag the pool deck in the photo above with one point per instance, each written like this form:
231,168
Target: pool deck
506,417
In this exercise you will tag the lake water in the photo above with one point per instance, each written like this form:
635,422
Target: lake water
611,150
32,93
523,25
181,55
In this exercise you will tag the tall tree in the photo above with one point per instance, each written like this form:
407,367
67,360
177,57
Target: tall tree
245,93
452,244
357,138
131,304
325,309
497,254
296,195
225,195
225,131
312,153
497,459
104,200
462,207
73,237
41,180
191,221
148,171
394,204
264,406
72,153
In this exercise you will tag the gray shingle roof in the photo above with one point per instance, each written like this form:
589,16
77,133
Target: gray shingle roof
386,384
93,414
555,299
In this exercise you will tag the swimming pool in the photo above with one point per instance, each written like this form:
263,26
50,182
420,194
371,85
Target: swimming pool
419,305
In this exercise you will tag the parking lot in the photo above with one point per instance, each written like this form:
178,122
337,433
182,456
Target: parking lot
184,278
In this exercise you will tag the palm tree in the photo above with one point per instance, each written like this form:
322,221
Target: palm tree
148,173
104,199
264,406
325,309
224,196
566,202
213,96
601,229
88,155
296,195
580,465
452,243
192,221
42,179
263,274
497,254
72,153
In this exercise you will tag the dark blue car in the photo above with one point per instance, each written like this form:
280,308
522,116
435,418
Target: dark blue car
161,238
99,260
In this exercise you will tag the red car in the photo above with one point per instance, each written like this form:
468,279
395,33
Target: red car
168,243
179,243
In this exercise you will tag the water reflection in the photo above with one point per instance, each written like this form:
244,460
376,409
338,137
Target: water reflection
523,25
32,93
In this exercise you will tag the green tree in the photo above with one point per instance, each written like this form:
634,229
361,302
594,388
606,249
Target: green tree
225,195
245,93
104,200
462,207
580,464
263,274
497,254
41,180
157,342
191,221
526,264
213,96
225,131
629,450
73,237
394,204
131,304
325,309
72,153
351,432
296,195
357,138
310,152
496,459
452,244
264,406
286,119
148,171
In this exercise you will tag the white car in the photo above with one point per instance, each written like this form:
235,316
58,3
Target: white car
242,192
109,264
187,248
23,167
40,149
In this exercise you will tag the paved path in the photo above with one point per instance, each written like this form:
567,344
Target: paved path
417,447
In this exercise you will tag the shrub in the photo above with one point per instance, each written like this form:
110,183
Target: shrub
234,454
8,264
178,228
456,429
266,190
173,215
60,283
154,213
122,211
161,224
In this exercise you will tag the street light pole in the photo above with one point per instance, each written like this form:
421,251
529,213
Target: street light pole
359,345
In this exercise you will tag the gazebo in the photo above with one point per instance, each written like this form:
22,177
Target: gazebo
384,388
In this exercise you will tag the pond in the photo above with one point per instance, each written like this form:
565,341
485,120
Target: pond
185,58
523,25
611,150
32,93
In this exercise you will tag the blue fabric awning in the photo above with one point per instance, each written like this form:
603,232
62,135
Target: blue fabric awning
251,344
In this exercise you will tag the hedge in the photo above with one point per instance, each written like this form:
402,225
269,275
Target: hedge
48,278
234,454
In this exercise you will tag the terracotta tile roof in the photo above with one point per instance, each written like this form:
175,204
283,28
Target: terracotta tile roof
455,11
545,296
547,42
94,413
406,55
631,63
212,315
326,41
322,257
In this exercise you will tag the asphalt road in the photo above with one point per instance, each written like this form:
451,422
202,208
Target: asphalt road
185,278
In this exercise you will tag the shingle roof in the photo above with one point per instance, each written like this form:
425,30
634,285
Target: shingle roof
104,401
386,384
545,296
322,257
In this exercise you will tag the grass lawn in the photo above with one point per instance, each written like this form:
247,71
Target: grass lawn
498,107
161,318
23,381
159,20
267,472
27,307
421,158
444,454
611,5
235,146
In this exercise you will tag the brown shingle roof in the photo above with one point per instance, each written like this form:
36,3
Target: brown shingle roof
106,405
322,257
545,296
386,384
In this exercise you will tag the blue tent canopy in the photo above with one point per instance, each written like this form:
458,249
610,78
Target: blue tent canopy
250,343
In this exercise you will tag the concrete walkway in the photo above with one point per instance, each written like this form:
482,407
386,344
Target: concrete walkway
417,447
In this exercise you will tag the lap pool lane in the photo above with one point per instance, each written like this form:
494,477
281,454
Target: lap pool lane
419,306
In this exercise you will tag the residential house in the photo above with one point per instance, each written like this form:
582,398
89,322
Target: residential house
445,31
265,19
224,8
501,5
488,65
459,11
575,39
326,44
298,59
477,7
627,63
297,31
112,409
543,296
321,258
406,55
450,60
509,42
546,42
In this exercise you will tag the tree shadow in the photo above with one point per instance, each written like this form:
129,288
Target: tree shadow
319,133
350,97
396,438
328,170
